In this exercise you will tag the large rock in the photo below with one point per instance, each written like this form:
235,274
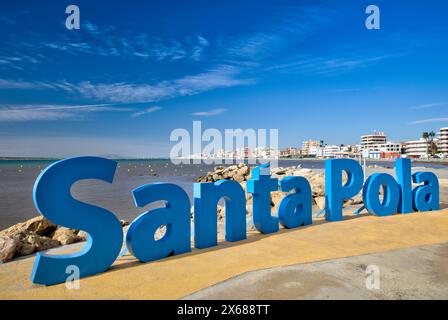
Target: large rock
320,202
31,242
239,173
124,223
160,232
276,198
38,225
41,243
243,171
35,235
221,213
82,235
8,248
317,186
66,236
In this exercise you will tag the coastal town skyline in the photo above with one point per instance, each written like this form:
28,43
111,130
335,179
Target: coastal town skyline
135,72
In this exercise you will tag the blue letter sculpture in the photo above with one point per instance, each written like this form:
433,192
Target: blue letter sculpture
175,216
261,186
391,196
105,236
53,200
403,172
335,192
206,197
295,209
426,197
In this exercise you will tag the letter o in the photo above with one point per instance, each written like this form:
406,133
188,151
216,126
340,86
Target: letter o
370,194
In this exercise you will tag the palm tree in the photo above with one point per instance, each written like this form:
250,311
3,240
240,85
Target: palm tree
432,135
429,138
425,136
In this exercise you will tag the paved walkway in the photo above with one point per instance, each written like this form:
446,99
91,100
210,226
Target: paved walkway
180,276
412,273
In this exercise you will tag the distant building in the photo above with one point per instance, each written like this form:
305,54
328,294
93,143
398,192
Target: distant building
331,151
390,150
284,153
417,148
310,147
442,144
356,149
371,142
266,153
371,154
290,152
244,153
376,146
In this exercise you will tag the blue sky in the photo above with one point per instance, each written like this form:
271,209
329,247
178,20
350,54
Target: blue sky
136,70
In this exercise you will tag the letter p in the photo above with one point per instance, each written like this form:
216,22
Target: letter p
335,191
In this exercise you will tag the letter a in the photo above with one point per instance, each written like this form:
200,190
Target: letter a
72,21
373,20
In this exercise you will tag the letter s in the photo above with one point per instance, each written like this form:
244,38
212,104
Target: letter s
53,200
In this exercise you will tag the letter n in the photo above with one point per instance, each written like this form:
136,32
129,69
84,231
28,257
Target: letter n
206,197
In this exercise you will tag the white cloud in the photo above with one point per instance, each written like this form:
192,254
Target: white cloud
19,84
146,111
24,113
223,76
220,77
276,33
91,28
429,120
325,65
202,41
213,112
429,105
108,41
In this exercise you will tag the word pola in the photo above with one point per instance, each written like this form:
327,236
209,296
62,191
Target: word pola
105,236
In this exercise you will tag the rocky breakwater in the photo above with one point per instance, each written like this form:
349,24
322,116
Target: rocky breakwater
36,234
239,173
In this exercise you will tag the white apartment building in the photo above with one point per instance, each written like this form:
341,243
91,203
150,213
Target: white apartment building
417,148
265,153
310,147
244,153
390,147
372,141
289,152
376,146
331,151
442,144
